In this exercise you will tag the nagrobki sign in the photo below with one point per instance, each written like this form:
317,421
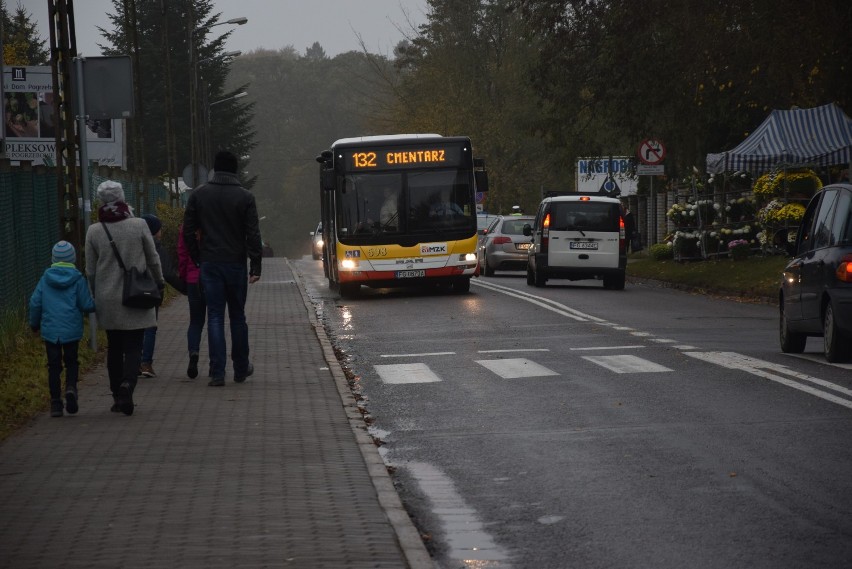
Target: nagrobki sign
606,174
29,125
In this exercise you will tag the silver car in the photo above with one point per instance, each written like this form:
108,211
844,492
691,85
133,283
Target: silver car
316,242
503,246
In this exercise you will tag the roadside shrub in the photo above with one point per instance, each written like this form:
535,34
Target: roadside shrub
661,251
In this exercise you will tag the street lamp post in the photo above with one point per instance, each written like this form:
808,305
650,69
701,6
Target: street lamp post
205,95
194,122
208,141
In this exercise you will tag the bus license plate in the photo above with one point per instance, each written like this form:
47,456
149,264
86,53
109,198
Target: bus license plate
583,245
410,274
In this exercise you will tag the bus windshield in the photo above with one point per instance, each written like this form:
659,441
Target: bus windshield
386,205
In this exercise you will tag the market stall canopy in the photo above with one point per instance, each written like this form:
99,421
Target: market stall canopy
821,136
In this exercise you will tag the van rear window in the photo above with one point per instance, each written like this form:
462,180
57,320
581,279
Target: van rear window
588,216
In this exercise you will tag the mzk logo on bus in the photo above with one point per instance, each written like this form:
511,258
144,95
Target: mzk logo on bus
433,249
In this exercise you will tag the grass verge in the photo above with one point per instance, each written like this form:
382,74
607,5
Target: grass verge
23,368
754,278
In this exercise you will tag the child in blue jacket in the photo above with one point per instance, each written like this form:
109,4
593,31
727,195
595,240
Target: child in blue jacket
56,308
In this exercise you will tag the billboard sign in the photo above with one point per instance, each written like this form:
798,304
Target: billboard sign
29,125
609,175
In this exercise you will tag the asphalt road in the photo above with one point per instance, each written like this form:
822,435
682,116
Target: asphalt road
573,426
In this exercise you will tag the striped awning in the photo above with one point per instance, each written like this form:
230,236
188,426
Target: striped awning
821,136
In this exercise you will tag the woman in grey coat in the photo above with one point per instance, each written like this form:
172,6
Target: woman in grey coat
125,327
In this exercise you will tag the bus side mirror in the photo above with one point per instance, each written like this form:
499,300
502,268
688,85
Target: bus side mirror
327,179
527,229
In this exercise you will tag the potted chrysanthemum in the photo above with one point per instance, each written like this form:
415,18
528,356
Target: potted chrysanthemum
738,249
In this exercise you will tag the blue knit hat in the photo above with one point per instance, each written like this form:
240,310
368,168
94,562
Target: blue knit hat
63,252
154,223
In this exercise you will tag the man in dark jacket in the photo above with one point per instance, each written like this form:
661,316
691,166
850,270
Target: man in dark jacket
225,215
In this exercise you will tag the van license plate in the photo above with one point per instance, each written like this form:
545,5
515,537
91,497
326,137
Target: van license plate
410,274
583,245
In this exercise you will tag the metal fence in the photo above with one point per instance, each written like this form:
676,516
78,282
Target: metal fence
30,222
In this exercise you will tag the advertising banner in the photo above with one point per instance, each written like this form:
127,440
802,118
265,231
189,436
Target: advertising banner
611,175
29,125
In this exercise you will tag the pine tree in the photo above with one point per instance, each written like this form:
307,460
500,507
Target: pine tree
162,32
21,44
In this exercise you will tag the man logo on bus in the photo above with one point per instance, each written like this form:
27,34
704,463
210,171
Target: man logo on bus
433,249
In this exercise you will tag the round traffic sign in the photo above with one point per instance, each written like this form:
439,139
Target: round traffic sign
651,152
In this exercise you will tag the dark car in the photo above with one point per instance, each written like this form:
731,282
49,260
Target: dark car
816,287
316,242
503,246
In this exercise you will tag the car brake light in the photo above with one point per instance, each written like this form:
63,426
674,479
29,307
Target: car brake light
844,269
622,244
501,240
545,234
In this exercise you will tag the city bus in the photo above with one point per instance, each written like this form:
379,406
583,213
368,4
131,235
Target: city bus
400,210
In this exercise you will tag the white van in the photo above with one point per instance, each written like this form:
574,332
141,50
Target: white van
575,237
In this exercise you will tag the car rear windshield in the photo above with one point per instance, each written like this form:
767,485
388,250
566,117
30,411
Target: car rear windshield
515,226
584,215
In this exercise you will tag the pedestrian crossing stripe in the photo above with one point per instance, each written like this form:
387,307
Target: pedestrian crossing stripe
514,368
406,373
626,364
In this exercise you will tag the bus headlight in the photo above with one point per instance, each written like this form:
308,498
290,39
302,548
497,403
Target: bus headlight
348,264
469,257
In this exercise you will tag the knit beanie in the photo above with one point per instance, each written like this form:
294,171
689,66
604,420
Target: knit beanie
63,252
225,161
154,223
110,191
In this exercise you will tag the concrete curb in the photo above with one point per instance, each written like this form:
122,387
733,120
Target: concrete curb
409,538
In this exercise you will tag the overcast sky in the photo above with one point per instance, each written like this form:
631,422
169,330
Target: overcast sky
272,24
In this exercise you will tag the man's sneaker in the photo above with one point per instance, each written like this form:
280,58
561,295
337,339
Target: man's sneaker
240,378
71,401
216,382
192,369
125,399
55,407
146,370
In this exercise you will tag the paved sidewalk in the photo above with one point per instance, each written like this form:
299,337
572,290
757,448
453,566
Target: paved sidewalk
276,472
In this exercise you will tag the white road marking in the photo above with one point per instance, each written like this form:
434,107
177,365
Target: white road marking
626,364
761,368
406,373
820,359
417,355
515,350
546,303
515,368
467,538
634,346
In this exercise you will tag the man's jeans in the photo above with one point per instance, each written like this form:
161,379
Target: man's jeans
226,283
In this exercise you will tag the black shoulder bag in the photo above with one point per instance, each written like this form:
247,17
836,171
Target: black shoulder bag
140,288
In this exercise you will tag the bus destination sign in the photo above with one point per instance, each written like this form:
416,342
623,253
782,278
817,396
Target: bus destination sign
389,158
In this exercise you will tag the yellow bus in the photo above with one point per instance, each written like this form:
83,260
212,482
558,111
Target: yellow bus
400,210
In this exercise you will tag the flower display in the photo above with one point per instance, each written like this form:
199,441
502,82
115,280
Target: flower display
739,248
692,214
739,209
777,213
801,181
